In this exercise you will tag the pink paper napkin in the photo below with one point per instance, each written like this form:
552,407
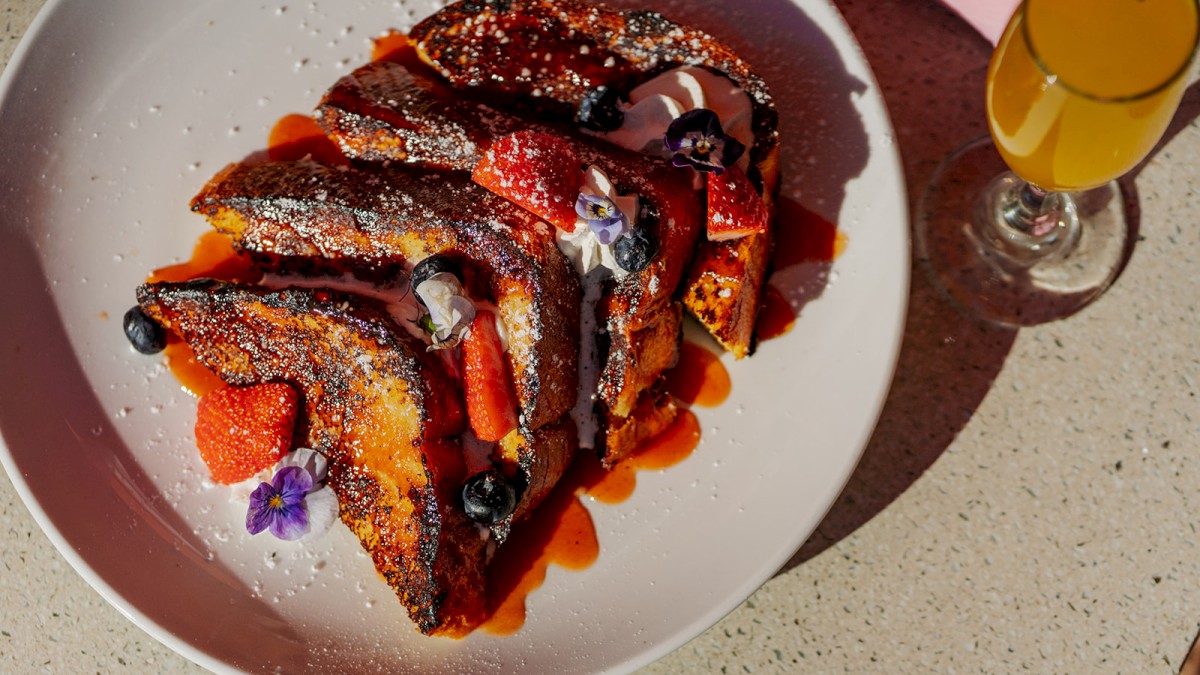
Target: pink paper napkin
989,17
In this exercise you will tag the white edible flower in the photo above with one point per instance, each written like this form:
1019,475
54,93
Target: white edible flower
581,245
450,311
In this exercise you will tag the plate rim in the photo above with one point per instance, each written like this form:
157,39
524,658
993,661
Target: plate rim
699,624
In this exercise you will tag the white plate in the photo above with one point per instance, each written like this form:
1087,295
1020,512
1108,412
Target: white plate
114,114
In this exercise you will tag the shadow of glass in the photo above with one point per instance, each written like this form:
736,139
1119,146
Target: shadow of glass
947,361
947,365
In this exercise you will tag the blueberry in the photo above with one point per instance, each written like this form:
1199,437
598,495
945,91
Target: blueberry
144,333
488,498
599,110
636,249
433,265
647,214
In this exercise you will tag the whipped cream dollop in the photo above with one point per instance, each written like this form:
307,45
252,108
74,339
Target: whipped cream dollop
581,245
654,104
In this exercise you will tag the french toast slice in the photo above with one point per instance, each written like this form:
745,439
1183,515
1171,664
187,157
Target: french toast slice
302,214
655,411
384,110
571,47
384,414
539,457
724,288
357,217
387,110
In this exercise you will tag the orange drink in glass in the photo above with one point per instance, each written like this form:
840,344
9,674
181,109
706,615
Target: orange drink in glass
1029,225
1066,110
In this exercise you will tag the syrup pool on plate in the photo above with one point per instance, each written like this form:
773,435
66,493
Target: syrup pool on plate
560,531
801,238
214,258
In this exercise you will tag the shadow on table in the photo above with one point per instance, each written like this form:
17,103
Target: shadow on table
948,362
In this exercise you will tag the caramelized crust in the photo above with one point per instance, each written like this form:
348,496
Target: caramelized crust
637,303
383,413
724,289
638,356
384,111
569,47
320,215
541,457
562,49
371,218
655,411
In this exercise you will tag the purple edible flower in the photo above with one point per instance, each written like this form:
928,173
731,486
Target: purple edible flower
279,505
698,141
603,217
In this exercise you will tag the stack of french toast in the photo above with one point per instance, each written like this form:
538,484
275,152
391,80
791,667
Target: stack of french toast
585,352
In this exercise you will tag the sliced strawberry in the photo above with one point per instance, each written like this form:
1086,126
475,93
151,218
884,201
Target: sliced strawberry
535,170
487,386
243,430
734,207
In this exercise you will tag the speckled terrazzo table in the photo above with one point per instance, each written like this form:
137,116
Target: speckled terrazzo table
1026,502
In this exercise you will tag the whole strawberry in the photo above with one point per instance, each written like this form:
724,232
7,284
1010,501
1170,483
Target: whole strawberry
243,430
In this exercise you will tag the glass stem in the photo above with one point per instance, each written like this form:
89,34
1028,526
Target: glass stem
1025,223
1033,211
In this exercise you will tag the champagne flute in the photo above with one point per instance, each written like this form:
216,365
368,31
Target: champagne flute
1030,225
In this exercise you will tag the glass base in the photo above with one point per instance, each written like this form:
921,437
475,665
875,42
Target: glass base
1005,276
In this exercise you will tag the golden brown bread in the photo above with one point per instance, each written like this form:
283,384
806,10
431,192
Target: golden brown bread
570,47
539,457
357,217
384,414
724,289
353,218
654,412
384,110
